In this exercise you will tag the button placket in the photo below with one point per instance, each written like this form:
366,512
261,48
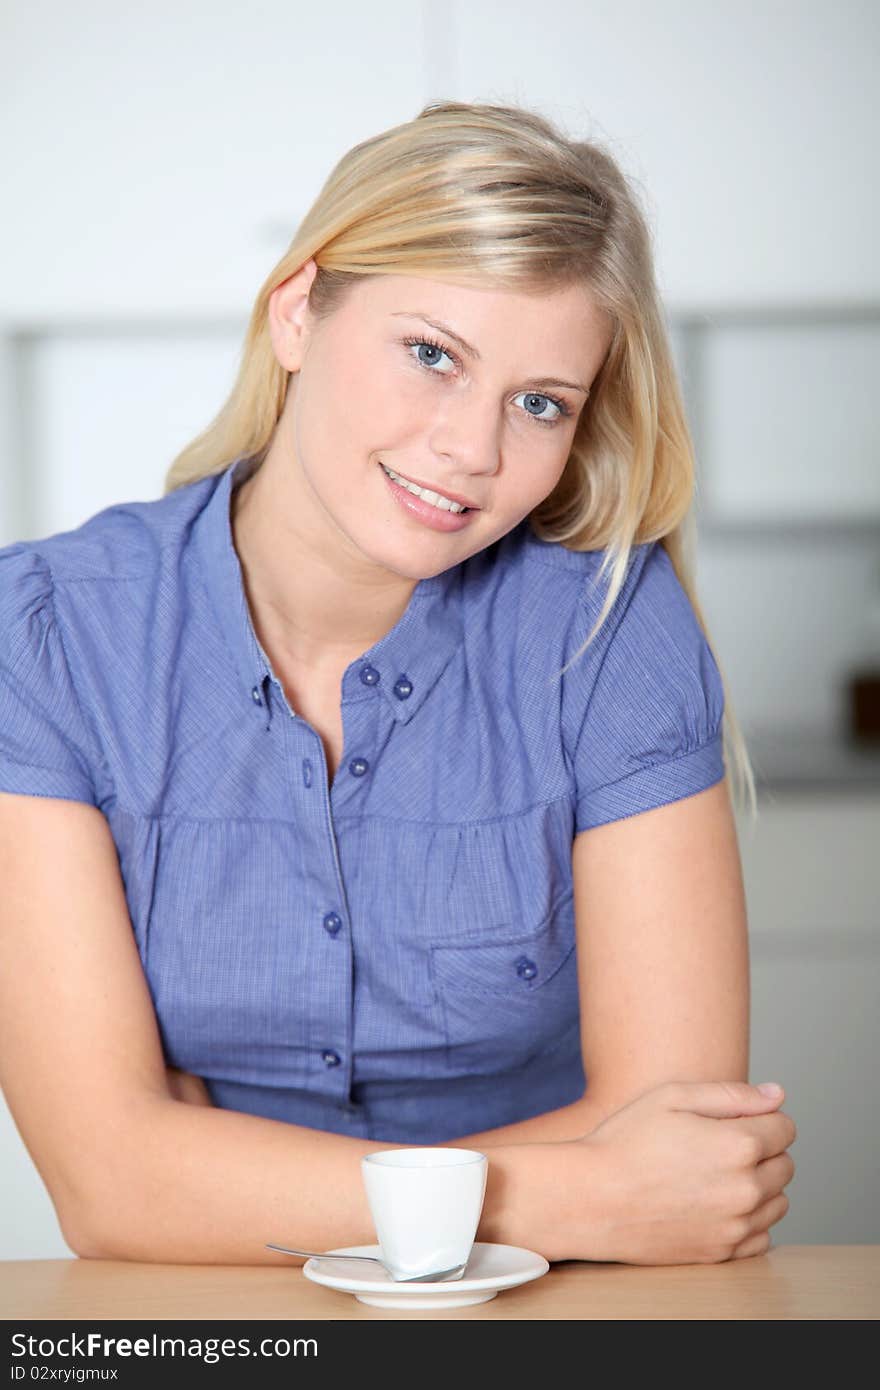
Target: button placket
370,676
328,1000
364,711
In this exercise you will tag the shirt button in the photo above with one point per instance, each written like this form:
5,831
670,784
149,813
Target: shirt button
369,675
526,969
403,688
358,766
255,695
331,1058
332,923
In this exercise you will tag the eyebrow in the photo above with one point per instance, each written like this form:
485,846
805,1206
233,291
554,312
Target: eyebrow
471,351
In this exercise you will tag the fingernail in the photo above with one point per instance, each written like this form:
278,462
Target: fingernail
770,1088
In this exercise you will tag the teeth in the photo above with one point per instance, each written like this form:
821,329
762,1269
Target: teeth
445,504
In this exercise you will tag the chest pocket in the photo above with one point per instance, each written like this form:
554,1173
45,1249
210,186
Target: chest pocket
505,1002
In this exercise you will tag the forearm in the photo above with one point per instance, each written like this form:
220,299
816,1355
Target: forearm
195,1184
552,1197
570,1122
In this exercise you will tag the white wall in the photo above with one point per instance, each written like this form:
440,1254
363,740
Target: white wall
155,167
155,162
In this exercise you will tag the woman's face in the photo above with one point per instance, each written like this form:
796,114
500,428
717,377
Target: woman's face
482,409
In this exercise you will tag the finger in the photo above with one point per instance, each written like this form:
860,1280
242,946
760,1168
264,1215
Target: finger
782,1127
720,1099
758,1240
753,1245
773,1174
767,1214
774,1132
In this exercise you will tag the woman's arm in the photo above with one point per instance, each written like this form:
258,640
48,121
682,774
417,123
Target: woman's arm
691,1171
131,1170
663,961
663,954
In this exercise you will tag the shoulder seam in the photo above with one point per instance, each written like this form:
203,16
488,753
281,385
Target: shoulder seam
59,626
608,636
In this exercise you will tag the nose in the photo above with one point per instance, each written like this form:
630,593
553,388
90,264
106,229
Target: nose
468,433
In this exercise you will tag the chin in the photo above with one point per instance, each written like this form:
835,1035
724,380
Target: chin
412,561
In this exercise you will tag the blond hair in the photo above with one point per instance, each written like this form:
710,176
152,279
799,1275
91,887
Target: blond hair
496,196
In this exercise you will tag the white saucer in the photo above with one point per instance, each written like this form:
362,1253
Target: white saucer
489,1269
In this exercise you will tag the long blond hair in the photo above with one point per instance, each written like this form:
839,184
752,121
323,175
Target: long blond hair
496,196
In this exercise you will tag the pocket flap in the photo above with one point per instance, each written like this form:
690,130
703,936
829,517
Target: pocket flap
517,966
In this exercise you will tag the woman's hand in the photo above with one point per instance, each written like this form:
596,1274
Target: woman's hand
186,1087
691,1173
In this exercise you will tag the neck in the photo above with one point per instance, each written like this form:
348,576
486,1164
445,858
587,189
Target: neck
314,601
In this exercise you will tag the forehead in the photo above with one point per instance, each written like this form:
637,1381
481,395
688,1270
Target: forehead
391,292
486,316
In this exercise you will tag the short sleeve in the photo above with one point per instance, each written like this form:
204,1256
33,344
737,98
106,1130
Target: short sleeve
651,727
44,743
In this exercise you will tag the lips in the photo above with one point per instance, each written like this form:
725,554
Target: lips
441,491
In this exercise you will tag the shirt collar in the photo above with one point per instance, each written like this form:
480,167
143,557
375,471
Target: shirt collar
404,665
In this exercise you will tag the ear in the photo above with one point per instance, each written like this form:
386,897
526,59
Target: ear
289,317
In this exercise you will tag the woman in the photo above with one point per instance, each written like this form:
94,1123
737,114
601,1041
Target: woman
345,805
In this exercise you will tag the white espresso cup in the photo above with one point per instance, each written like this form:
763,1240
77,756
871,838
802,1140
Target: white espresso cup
425,1205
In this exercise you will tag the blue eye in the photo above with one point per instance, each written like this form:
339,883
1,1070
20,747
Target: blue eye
534,396
543,401
433,347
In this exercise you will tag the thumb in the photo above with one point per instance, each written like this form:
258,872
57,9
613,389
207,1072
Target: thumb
725,1098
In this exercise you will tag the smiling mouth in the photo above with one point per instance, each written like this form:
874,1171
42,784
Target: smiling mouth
456,506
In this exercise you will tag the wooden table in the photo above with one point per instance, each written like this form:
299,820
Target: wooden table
790,1281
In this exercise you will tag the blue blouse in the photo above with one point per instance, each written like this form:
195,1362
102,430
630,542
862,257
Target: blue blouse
391,956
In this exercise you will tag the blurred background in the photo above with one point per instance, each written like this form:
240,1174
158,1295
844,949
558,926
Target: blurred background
155,166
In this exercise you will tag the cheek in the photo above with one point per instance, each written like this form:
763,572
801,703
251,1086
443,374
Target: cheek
364,409
535,480
553,467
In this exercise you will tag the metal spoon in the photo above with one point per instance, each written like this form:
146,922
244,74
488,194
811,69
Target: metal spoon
454,1273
